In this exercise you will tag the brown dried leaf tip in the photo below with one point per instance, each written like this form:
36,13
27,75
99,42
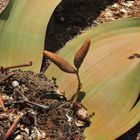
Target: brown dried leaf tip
60,62
81,53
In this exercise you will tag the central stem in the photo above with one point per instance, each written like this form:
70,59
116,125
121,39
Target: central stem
79,86
79,81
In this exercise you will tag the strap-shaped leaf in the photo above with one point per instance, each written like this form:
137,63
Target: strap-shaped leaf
22,31
110,76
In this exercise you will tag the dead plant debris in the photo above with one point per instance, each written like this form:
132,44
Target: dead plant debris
35,109
119,10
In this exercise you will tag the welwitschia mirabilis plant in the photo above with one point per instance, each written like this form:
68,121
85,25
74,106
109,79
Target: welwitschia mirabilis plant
110,77
109,74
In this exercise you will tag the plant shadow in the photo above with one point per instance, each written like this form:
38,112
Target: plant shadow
80,97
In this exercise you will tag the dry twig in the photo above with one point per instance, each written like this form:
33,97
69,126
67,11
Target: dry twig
7,77
2,103
17,66
13,126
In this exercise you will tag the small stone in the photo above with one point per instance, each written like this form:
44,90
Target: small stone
4,116
139,135
109,14
69,118
5,97
112,19
123,10
15,84
62,19
11,117
115,5
19,137
27,131
82,114
69,29
79,123
128,3
43,135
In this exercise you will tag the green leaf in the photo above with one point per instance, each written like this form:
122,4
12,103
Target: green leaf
22,31
110,76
